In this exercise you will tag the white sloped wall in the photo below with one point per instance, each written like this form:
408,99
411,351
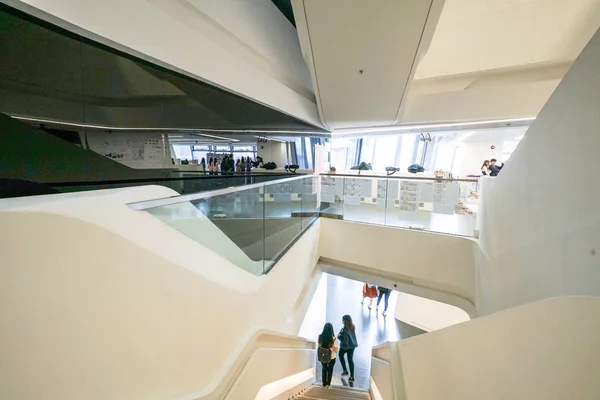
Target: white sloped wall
540,232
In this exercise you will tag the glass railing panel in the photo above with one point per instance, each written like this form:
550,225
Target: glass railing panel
231,225
437,205
251,226
332,196
310,204
283,221
365,200
187,183
431,205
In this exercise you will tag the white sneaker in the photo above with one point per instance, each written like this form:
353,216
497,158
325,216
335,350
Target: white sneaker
384,313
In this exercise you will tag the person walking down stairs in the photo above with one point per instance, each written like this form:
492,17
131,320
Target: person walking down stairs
328,349
332,393
348,343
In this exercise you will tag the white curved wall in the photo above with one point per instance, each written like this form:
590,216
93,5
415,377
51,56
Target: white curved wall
540,221
248,48
103,316
426,314
441,267
117,290
544,350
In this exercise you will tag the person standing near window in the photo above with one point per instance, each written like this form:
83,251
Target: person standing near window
495,169
485,168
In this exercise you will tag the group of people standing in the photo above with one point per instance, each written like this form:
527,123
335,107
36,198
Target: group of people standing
330,346
371,292
490,167
227,165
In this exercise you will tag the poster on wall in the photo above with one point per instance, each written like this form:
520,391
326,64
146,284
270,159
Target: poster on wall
152,149
409,196
119,148
130,147
327,189
392,193
445,197
382,193
352,191
426,192
366,187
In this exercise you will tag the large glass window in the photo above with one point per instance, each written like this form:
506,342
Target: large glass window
407,150
367,150
385,152
308,151
183,152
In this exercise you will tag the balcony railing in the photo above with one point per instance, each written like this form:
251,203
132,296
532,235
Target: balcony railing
254,225
251,226
438,205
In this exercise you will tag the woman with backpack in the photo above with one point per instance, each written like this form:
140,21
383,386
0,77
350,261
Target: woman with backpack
327,352
348,343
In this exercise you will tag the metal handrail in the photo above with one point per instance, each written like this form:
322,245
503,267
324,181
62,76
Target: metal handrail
145,205
402,177
205,176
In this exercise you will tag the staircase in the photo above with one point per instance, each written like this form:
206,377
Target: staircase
335,393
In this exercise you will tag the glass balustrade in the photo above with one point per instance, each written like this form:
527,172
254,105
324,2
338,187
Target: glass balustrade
254,225
437,205
251,226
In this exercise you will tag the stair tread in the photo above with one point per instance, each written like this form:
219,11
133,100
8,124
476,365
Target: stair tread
336,392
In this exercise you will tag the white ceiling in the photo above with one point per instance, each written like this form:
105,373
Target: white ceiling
498,135
362,55
484,35
498,59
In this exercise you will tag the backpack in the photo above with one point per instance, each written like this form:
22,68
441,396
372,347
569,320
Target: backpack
415,168
324,355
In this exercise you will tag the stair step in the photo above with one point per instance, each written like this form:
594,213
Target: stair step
335,393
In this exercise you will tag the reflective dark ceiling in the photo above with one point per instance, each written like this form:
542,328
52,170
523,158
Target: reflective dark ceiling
48,73
285,6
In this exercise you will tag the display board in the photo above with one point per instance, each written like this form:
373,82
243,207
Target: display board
409,196
136,150
445,197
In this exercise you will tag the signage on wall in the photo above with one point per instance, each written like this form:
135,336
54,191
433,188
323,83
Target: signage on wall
493,147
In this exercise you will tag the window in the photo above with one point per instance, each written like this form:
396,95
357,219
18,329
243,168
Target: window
183,152
308,157
407,151
367,150
385,152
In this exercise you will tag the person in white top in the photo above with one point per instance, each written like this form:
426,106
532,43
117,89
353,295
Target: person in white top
485,168
327,340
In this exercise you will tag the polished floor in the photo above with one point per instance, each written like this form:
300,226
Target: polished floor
454,224
337,296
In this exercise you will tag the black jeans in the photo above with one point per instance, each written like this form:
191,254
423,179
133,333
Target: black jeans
350,353
385,293
327,372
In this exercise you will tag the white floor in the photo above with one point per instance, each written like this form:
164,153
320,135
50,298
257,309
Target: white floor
455,224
